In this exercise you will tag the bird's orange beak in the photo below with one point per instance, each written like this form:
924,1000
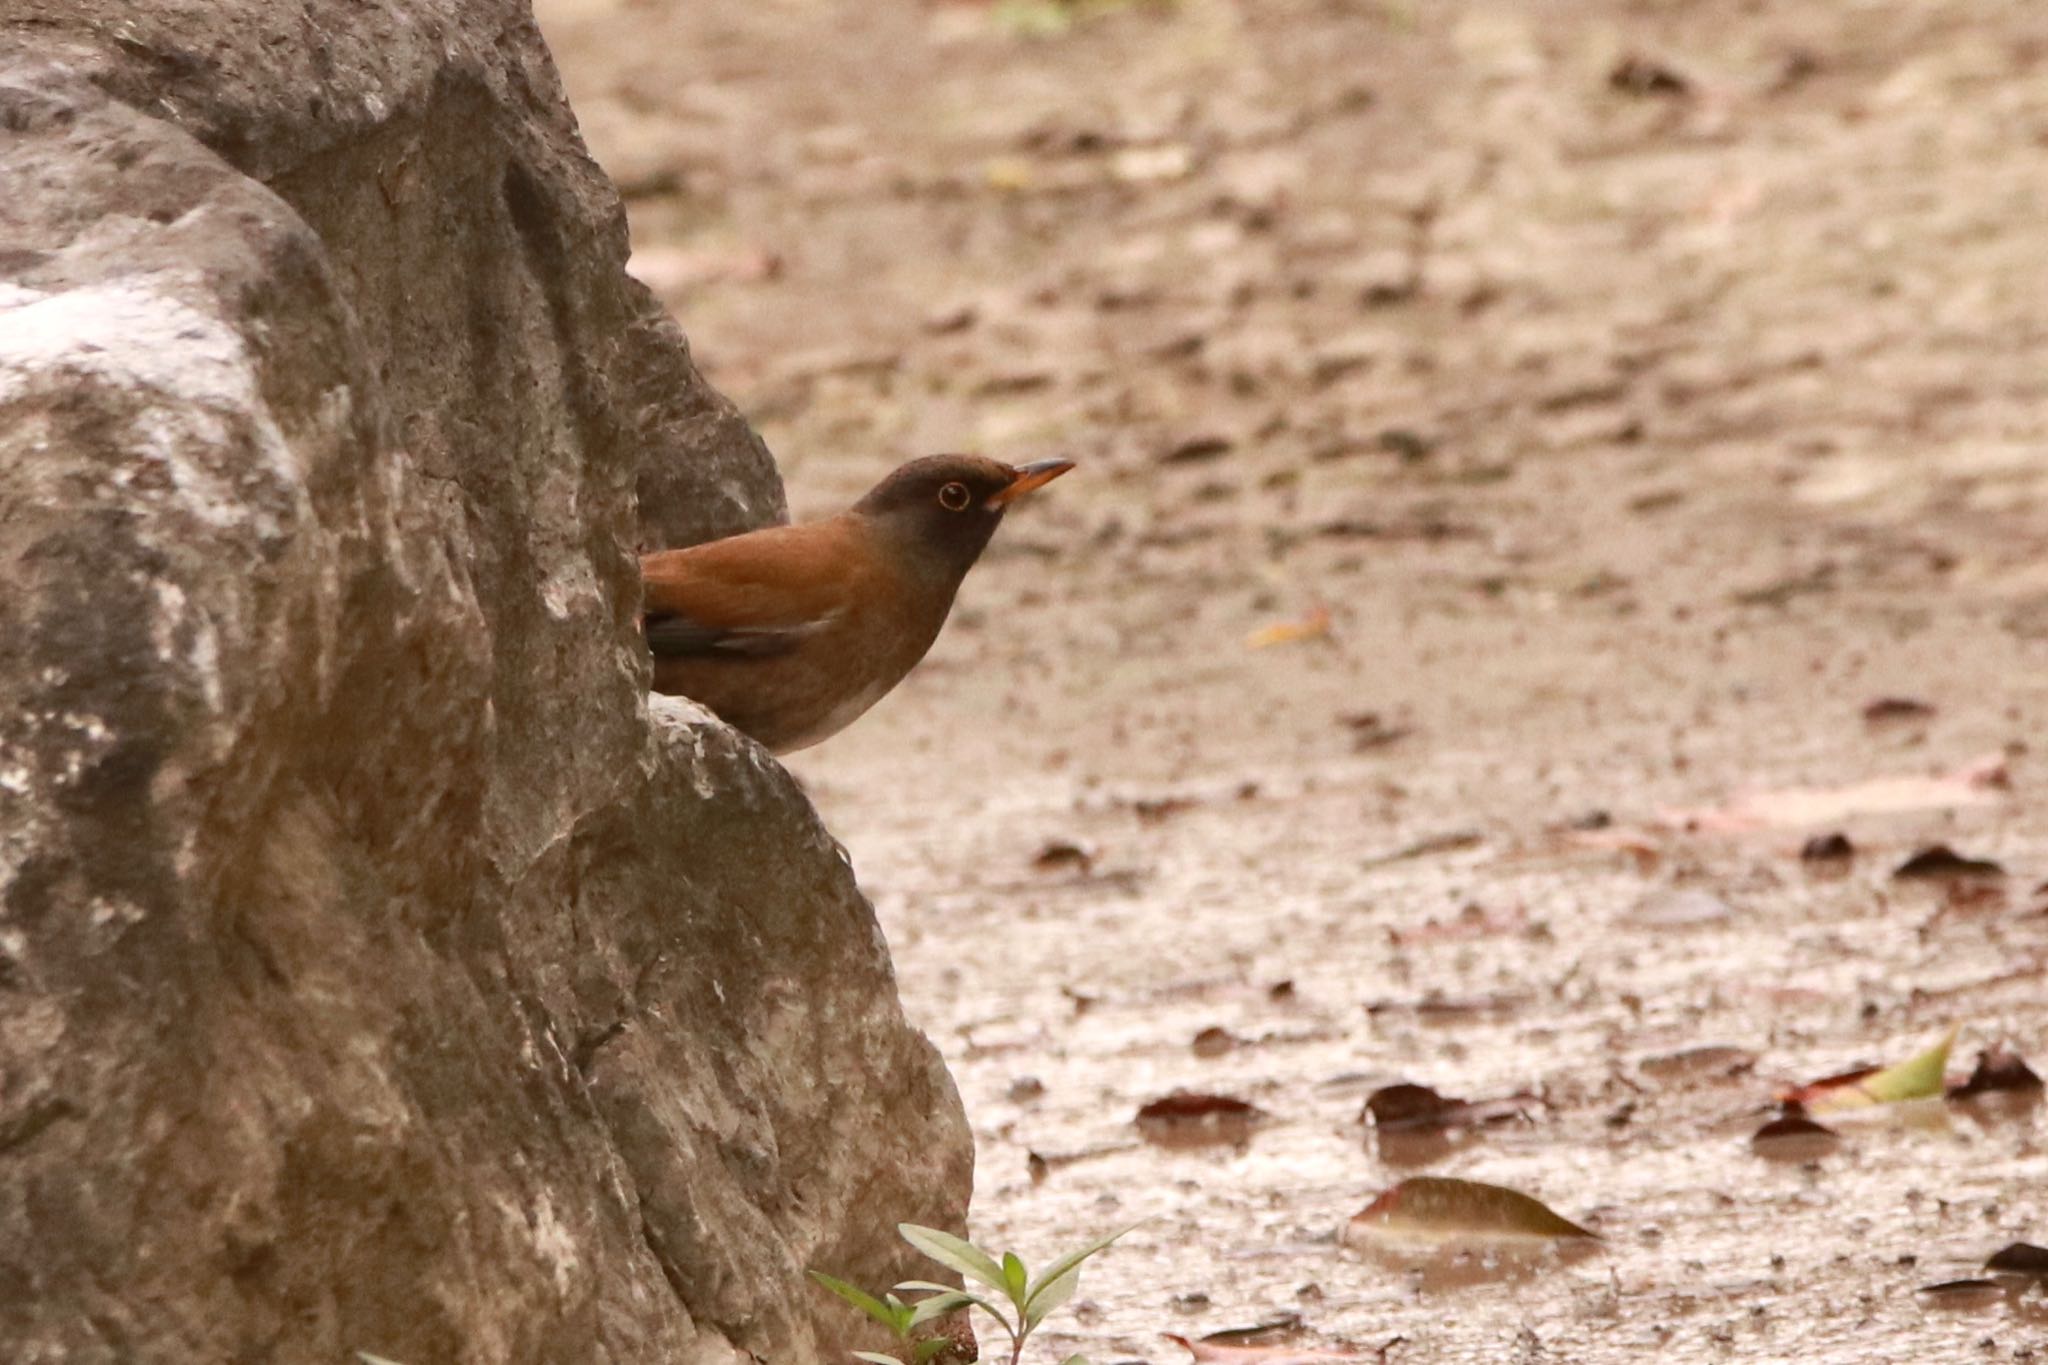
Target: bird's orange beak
1030,476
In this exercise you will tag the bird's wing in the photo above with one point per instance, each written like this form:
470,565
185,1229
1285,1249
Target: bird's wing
751,596
679,637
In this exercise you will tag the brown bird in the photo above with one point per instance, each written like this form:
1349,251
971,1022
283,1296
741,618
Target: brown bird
791,632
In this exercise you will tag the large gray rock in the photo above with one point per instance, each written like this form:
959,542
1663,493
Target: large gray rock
378,970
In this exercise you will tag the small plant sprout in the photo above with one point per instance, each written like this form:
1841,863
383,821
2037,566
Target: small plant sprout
1017,1300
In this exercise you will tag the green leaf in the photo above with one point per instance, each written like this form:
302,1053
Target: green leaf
930,1285
1917,1078
369,1359
955,1253
1075,1360
1051,1297
959,1300
859,1298
925,1350
1067,1262
1015,1278
876,1358
938,1305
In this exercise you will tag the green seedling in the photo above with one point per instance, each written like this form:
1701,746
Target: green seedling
1017,1300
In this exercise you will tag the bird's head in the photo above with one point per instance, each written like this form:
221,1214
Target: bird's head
942,509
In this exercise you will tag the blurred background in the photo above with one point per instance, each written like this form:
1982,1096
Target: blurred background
1542,466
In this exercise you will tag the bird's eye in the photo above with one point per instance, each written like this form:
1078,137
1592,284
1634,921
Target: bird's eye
954,497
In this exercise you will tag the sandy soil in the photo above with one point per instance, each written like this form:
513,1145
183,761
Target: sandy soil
1642,389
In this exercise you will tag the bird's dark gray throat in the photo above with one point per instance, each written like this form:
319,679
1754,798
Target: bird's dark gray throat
934,541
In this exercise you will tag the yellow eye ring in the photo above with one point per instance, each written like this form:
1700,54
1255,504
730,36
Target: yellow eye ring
954,497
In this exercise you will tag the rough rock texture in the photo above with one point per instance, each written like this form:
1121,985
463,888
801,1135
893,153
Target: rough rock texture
378,969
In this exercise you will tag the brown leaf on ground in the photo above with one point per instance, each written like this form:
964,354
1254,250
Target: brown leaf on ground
1708,1061
1963,1295
1827,848
1451,841
2020,1258
1794,1138
1896,708
1939,862
1188,1118
1373,731
1061,855
1406,1107
1637,74
1198,448
1275,1330
1998,1070
1427,1209
1437,1007
1151,810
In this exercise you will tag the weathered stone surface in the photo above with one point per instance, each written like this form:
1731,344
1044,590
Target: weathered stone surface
378,970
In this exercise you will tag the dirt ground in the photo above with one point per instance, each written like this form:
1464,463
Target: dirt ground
1642,390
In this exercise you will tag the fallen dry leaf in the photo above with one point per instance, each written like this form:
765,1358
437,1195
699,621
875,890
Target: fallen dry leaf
1939,862
1435,1005
1712,1061
1412,1125
1406,1107
1919,1077
1976,784
1794,1138
1896,708
1828,848
1639,74
1198,448
1999,1070
1188,1118
1061,855
1439,1210
1450,841
1963,1295
1219,1353
1314,626
1152,809
1369,730
2020,1258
